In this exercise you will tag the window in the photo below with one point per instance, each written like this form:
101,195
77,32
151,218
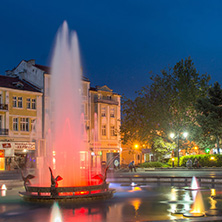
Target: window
83,109
28,103
33,103
20,102
109,97
103,130
103,111
14,103
1,99
24,124
15,124
1,120
112,112
33,124
112,131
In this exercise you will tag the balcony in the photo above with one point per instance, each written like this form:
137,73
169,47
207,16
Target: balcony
3,132
3,106
106,100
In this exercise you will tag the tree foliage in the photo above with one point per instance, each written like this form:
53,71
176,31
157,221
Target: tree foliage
166,105
209,116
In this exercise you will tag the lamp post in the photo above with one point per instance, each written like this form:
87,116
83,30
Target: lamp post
172,135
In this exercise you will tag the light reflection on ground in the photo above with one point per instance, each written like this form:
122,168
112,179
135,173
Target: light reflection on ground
130,203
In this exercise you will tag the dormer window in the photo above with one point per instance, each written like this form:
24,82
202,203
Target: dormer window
19,85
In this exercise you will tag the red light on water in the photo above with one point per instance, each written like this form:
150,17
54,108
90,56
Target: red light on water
81,211
95,191
66,194
82,193
45,194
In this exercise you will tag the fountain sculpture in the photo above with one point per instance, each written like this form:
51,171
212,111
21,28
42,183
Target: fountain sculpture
67,153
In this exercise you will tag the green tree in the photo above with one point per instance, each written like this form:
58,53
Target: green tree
209,115
166,105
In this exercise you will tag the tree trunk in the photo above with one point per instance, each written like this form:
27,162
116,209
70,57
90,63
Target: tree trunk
218,145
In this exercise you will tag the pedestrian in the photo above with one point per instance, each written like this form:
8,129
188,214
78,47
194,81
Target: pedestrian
196,163
132,166
189,163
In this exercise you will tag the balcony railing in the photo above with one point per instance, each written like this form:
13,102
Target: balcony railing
3,132
3,106
107,101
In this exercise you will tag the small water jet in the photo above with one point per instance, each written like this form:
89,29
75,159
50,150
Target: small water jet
195,186
198,209
56,215
3,187
3,190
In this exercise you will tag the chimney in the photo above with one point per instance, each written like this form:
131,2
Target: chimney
31,61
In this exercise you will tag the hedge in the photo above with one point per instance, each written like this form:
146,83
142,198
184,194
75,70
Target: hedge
204,160
152,164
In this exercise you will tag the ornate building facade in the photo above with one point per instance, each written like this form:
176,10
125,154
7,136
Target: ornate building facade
100,105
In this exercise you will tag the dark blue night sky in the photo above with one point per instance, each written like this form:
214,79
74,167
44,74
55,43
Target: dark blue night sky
121,41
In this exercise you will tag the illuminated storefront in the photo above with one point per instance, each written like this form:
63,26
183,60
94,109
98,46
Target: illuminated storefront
2,159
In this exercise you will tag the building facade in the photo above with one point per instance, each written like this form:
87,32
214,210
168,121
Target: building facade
100,105
20,113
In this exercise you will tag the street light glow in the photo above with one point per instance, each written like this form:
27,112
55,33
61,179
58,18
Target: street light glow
136,146
185,134
172,135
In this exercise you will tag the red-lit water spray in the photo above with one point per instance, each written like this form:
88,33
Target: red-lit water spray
66,149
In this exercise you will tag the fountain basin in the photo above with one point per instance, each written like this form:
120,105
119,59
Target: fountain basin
189,214
198,188
66,194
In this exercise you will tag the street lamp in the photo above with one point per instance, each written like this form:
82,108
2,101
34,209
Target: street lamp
172,135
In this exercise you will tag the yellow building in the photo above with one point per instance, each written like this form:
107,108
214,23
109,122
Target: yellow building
20,113
105,122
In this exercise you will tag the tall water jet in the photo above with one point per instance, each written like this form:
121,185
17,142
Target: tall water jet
66,150
65,172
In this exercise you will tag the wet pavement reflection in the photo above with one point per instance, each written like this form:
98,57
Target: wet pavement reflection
130,203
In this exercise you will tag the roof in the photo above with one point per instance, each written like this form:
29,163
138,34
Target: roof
44,68
104,88
16,83
48,69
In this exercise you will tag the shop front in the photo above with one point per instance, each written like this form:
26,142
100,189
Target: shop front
25,154
7,154
106,153
17,155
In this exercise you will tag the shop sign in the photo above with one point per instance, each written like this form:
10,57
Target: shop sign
2,153
95,144
24,145
6,145
146,150
112,144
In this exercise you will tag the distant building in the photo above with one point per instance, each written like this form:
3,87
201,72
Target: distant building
105,113
20,113
100,105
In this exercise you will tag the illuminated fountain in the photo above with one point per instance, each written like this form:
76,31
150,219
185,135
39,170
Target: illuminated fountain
65,171
3,190
198,209
55,213
195,186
